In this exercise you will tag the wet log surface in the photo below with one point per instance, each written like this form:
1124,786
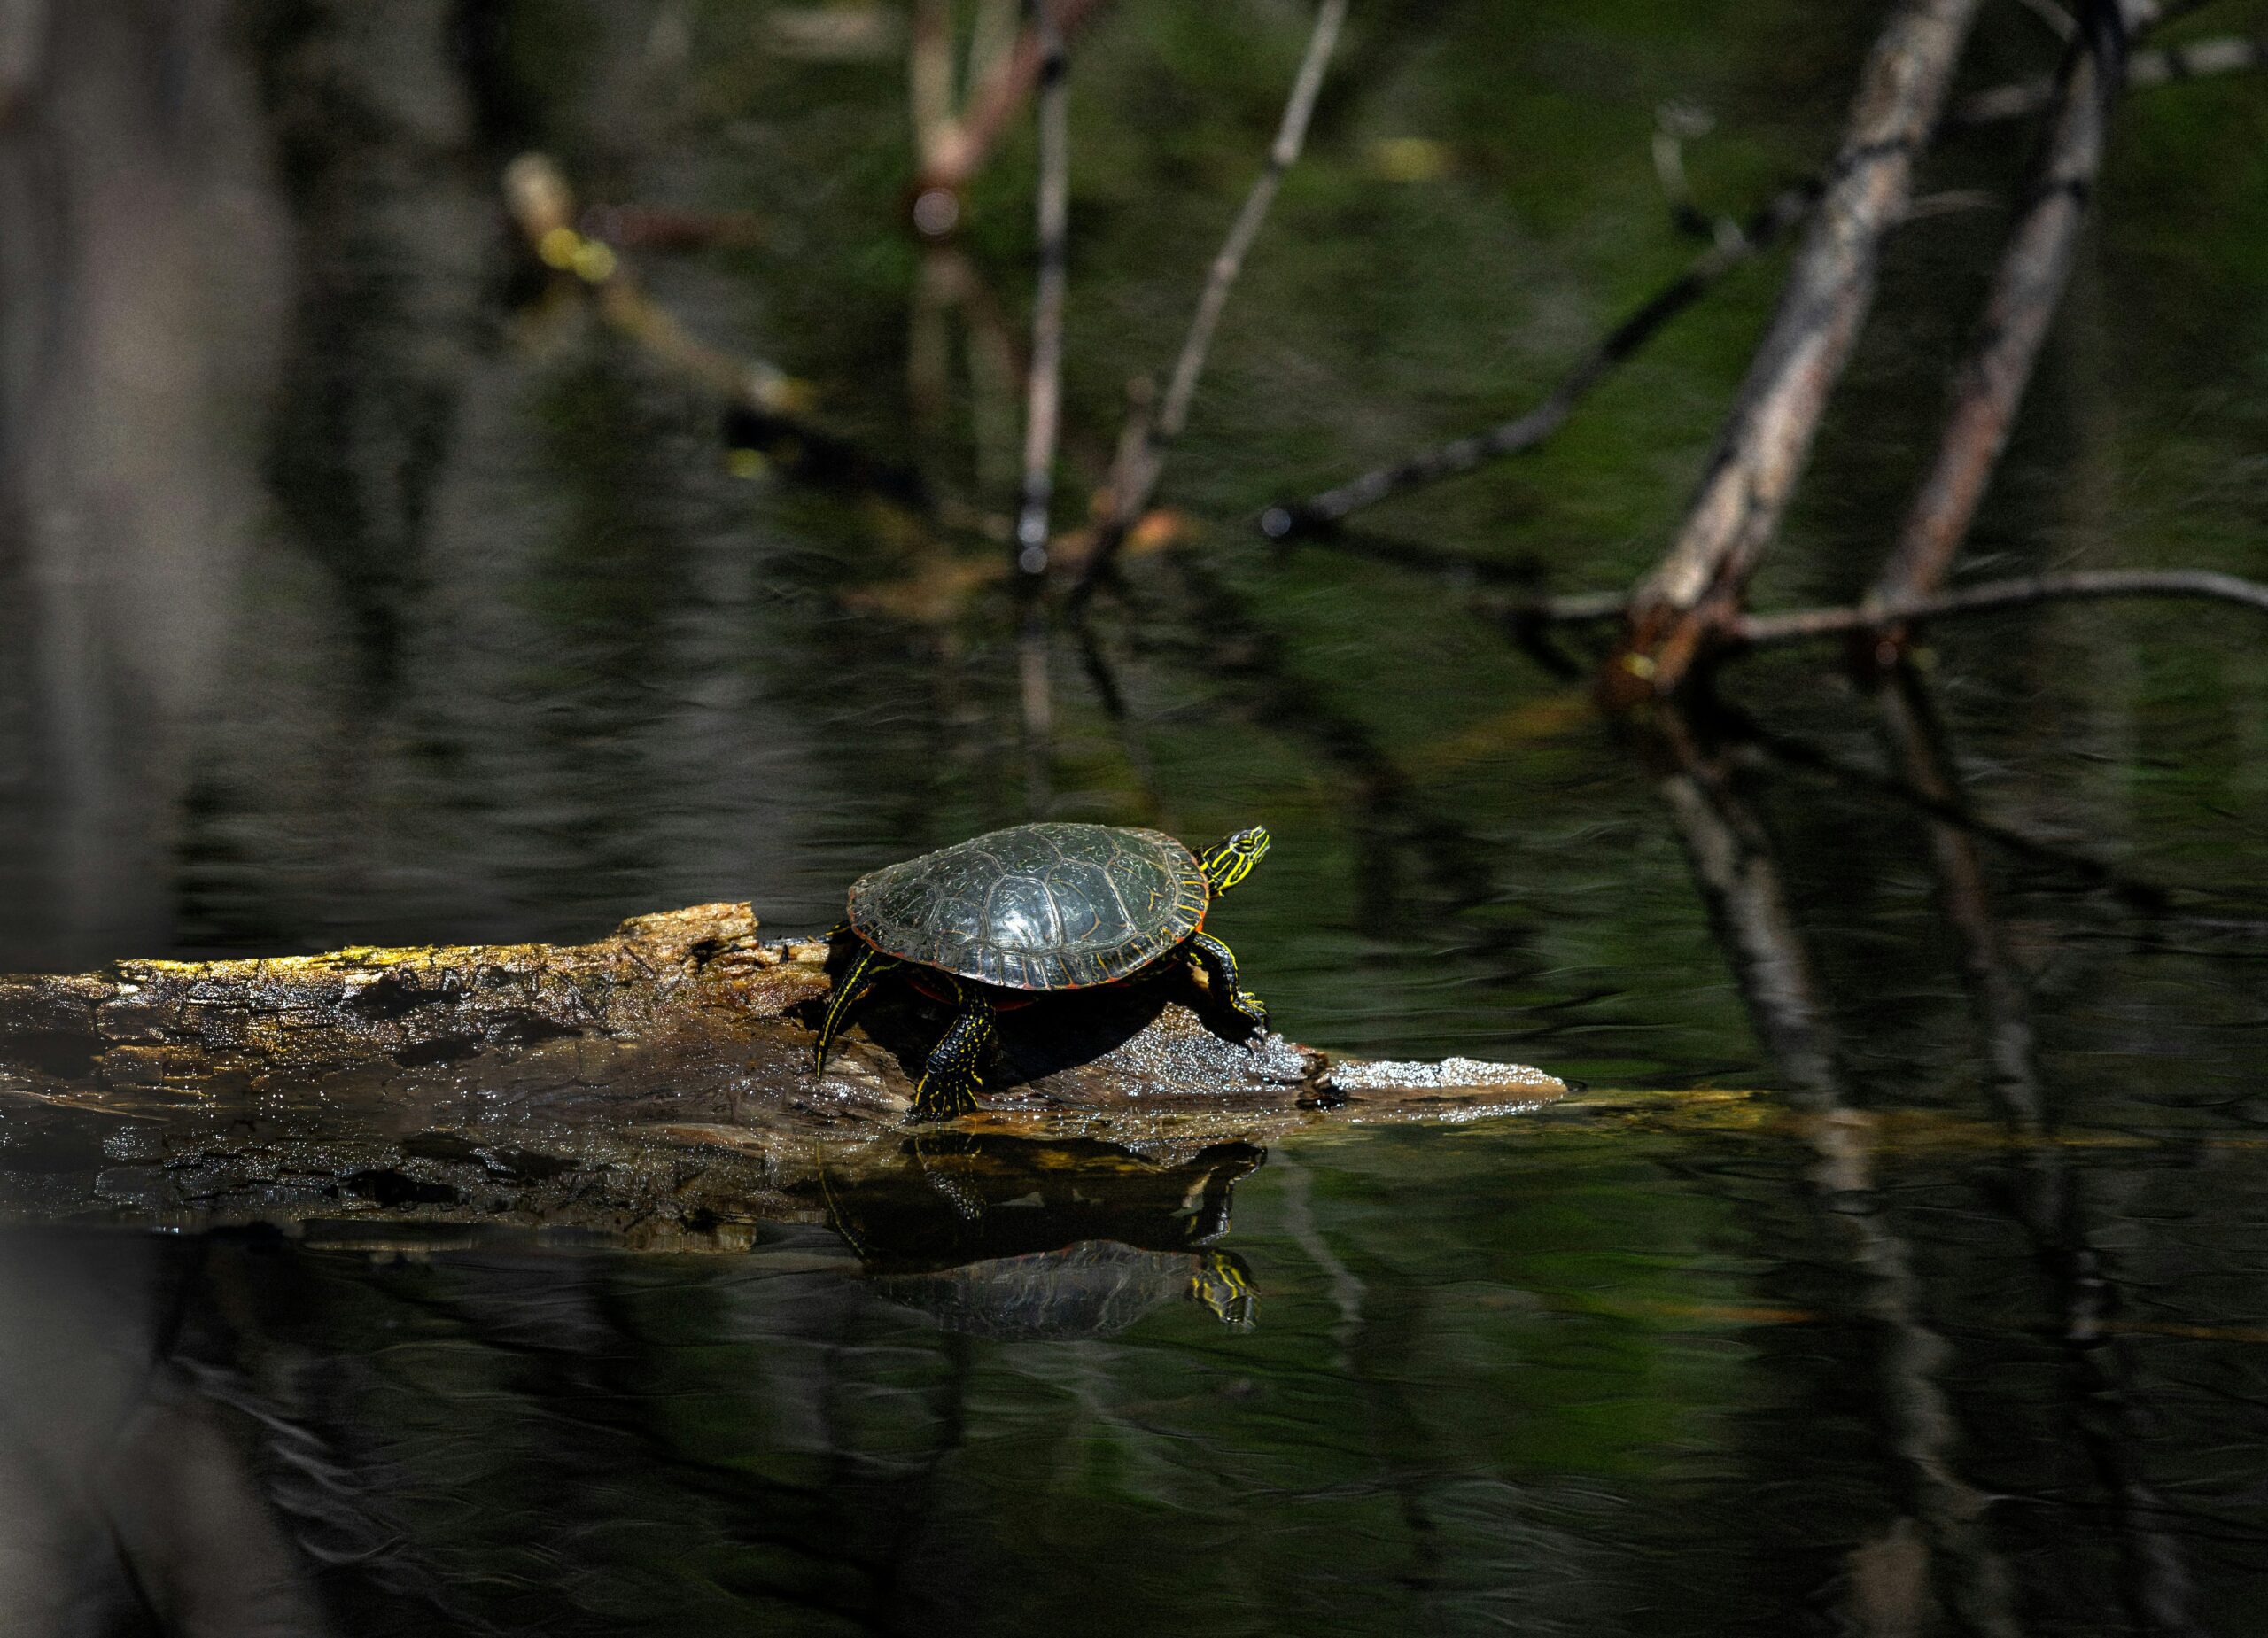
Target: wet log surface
652,1088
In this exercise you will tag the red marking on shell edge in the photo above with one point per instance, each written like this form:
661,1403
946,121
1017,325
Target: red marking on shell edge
1004,1000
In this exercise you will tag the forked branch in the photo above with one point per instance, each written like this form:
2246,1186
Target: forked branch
1768,438
1733,244
952,154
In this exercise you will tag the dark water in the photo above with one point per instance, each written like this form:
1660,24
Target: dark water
359,583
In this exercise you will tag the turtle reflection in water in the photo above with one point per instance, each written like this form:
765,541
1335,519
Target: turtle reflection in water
1094,1288
1004,1236
984,924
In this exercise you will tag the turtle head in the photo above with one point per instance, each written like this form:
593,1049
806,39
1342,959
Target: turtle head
1227,862
1224,1284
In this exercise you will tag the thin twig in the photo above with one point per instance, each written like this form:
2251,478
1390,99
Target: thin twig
1291,136
2161,66
1576,608
1757,629
1136,479
1044,381
543,204
1779,215
1673,123
1799,624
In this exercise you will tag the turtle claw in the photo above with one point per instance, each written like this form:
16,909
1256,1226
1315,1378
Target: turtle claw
942,1096
1253,1011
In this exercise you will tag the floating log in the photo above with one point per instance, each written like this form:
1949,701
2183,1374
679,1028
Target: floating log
652,1088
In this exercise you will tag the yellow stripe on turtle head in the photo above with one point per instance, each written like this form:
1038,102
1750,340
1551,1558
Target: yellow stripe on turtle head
1230,862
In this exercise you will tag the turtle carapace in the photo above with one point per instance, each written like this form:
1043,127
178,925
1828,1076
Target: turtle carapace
1034,907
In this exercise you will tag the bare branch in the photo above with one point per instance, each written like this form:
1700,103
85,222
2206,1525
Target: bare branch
1767,437
2084,583
1733,245
1044,393
1795,625
2027,287
1134,480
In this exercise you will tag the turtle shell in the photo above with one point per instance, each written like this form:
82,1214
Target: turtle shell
1049,906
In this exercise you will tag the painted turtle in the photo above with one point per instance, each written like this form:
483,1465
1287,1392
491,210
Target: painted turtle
1034,907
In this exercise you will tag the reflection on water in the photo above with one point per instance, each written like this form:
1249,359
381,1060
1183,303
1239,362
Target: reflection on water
364,579
1551,1376
1009,1238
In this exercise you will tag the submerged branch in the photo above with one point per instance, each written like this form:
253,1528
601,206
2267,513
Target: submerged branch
2147,898
1134,479
1736,869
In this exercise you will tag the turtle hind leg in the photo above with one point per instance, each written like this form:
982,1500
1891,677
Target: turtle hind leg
1219,963
951,1080
868,964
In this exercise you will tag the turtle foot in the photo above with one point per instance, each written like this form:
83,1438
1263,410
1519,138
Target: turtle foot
940,1097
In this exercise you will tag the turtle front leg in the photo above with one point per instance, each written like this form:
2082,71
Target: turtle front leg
1219,965
857,979
950,1080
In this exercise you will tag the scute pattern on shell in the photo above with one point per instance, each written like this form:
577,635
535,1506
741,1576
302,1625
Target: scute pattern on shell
1047,906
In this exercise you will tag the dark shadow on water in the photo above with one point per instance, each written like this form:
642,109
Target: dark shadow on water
969,1197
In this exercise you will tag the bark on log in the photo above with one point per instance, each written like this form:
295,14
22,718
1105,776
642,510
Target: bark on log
654,1087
